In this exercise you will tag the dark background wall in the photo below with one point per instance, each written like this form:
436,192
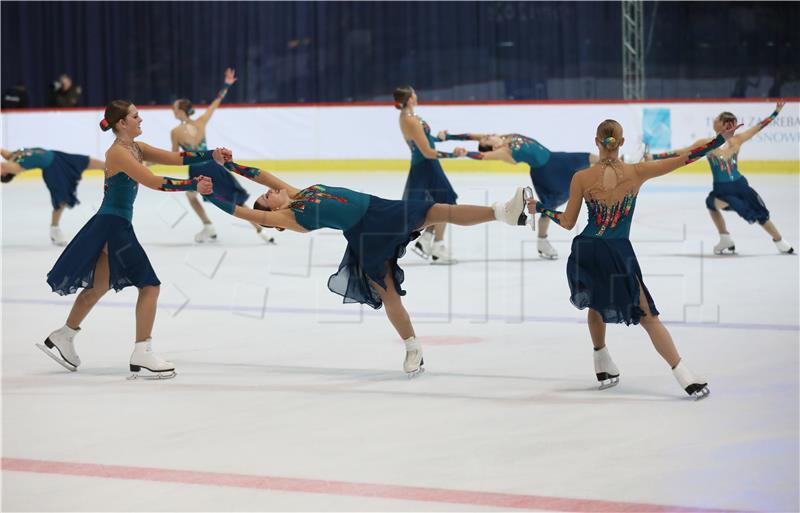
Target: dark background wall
154,52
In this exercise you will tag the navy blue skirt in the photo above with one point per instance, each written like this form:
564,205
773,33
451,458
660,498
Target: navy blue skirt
380,236
128,263
604,275
427,182
741,198
62,177
224,183
552,180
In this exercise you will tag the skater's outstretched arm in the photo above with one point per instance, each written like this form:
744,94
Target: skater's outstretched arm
503,154
569,216
652,169
444,135
410,126
282,219
174,158
753,130
260,176
120,159
230,78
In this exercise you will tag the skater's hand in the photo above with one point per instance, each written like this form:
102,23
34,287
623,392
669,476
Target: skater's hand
532,205
728,129
230,76
442,135
222,155
779,105
205,185
460,152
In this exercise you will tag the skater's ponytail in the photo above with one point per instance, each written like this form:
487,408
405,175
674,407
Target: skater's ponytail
609,134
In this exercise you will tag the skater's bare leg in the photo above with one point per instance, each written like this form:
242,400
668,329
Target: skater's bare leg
96,164
716,216
658,333
55,218
543,224
197,207
90,296
597,329
393,303
438,231
146,312
769,226
462,215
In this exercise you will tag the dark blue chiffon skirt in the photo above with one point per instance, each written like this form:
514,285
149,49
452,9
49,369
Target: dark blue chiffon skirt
552,180
380,237
741,198
604,275
224,183
62,177
427,182
128,263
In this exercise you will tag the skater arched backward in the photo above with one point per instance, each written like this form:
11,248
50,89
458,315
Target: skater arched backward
426,179
106,253
550,171
377,231
731,191
190,135
602,270
61,173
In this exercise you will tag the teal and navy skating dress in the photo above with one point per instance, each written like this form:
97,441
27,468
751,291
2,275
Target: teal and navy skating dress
377,232
61,172
731,187
602,270
551,172
128,263
224,184
426,179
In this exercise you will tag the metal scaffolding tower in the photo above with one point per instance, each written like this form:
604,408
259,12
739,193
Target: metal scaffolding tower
632,50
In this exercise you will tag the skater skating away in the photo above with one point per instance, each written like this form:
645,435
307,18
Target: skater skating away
190,135
377,232
602,270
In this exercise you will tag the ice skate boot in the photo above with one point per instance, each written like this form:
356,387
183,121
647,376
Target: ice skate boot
725,244
207,234
265,236
604,368
512,212
694,386
144,359
57,236
783,246
60,346
423,245
545,249
440,255
413,364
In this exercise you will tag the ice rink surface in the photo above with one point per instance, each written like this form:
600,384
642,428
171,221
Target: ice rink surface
286,399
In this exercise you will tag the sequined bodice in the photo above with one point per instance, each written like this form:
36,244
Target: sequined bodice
724,165
416,154
610,208
120,190
525,149
320,206
31,158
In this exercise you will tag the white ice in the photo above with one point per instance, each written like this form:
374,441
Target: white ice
277,378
